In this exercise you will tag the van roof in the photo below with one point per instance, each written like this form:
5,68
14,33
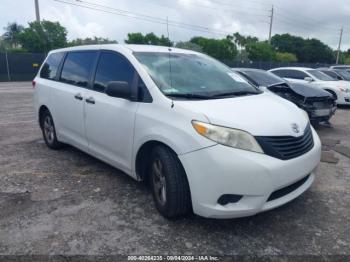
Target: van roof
125,47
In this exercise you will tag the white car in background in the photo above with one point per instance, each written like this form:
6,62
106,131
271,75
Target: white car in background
341,67
339,89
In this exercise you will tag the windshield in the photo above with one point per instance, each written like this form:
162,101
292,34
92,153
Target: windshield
198,75
344,74
263,78
319,75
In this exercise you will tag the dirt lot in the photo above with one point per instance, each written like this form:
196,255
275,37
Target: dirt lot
66,202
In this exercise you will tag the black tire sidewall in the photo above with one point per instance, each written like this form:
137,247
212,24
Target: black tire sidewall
176,183
55,143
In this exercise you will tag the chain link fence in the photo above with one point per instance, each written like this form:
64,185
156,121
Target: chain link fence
24,66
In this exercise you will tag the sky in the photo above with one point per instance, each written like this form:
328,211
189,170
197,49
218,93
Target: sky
320,19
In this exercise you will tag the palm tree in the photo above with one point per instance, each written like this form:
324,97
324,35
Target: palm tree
240,40
12,30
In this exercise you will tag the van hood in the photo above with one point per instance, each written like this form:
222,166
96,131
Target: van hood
260,115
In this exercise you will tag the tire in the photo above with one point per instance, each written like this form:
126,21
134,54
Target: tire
168,180
49,132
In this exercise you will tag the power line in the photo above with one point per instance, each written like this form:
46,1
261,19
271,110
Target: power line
192,27
147,18
307,21
235,6
238,9
299,27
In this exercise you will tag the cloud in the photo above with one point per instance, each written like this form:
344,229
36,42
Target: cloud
321,19
76,28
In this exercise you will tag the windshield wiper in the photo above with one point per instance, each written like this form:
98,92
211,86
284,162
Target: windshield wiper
189,96
237,93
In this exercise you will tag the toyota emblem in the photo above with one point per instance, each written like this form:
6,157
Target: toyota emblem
295,128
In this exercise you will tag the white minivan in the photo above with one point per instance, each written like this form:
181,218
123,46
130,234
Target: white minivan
205,139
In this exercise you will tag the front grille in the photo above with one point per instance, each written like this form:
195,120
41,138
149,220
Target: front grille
287,147
319,102
323,104
286,190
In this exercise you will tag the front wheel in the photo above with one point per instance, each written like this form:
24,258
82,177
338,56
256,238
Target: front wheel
169,184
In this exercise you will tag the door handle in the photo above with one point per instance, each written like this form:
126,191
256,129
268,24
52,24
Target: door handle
90,100
78,96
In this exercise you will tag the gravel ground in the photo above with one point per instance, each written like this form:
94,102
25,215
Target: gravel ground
69,203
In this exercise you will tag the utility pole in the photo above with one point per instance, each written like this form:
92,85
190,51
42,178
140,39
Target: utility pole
271,22
340,39
37,12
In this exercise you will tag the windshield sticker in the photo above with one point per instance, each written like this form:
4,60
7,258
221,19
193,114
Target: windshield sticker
237,78
170,90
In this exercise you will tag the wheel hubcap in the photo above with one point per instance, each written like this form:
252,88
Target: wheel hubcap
49,130
159,182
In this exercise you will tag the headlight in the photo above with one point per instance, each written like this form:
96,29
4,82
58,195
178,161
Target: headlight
344,89
228,136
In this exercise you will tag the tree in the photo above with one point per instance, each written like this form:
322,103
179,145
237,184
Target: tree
347,61
91,41
261,51
314,51
12,30
243,41
306,50
148,39
286,57
222,49
43,36
189,46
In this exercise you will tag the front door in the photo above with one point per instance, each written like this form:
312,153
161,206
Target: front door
110,121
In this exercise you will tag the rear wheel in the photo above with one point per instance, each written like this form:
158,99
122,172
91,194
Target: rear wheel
49,131
169,184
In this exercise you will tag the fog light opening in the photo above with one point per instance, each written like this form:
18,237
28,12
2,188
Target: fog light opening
229,198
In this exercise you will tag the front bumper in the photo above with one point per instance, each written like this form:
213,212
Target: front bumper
343,98
319,115
218,170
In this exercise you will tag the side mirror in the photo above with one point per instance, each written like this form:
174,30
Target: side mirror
309,79
119,89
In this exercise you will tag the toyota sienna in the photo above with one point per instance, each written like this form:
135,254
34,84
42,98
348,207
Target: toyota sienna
205,139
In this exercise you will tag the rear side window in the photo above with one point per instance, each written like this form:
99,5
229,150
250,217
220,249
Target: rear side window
297,74
50,67
112,67
280,73
78,67
294,74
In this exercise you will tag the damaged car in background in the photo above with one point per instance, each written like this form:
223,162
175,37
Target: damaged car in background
319,104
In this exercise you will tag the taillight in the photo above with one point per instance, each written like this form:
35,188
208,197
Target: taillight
33,83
